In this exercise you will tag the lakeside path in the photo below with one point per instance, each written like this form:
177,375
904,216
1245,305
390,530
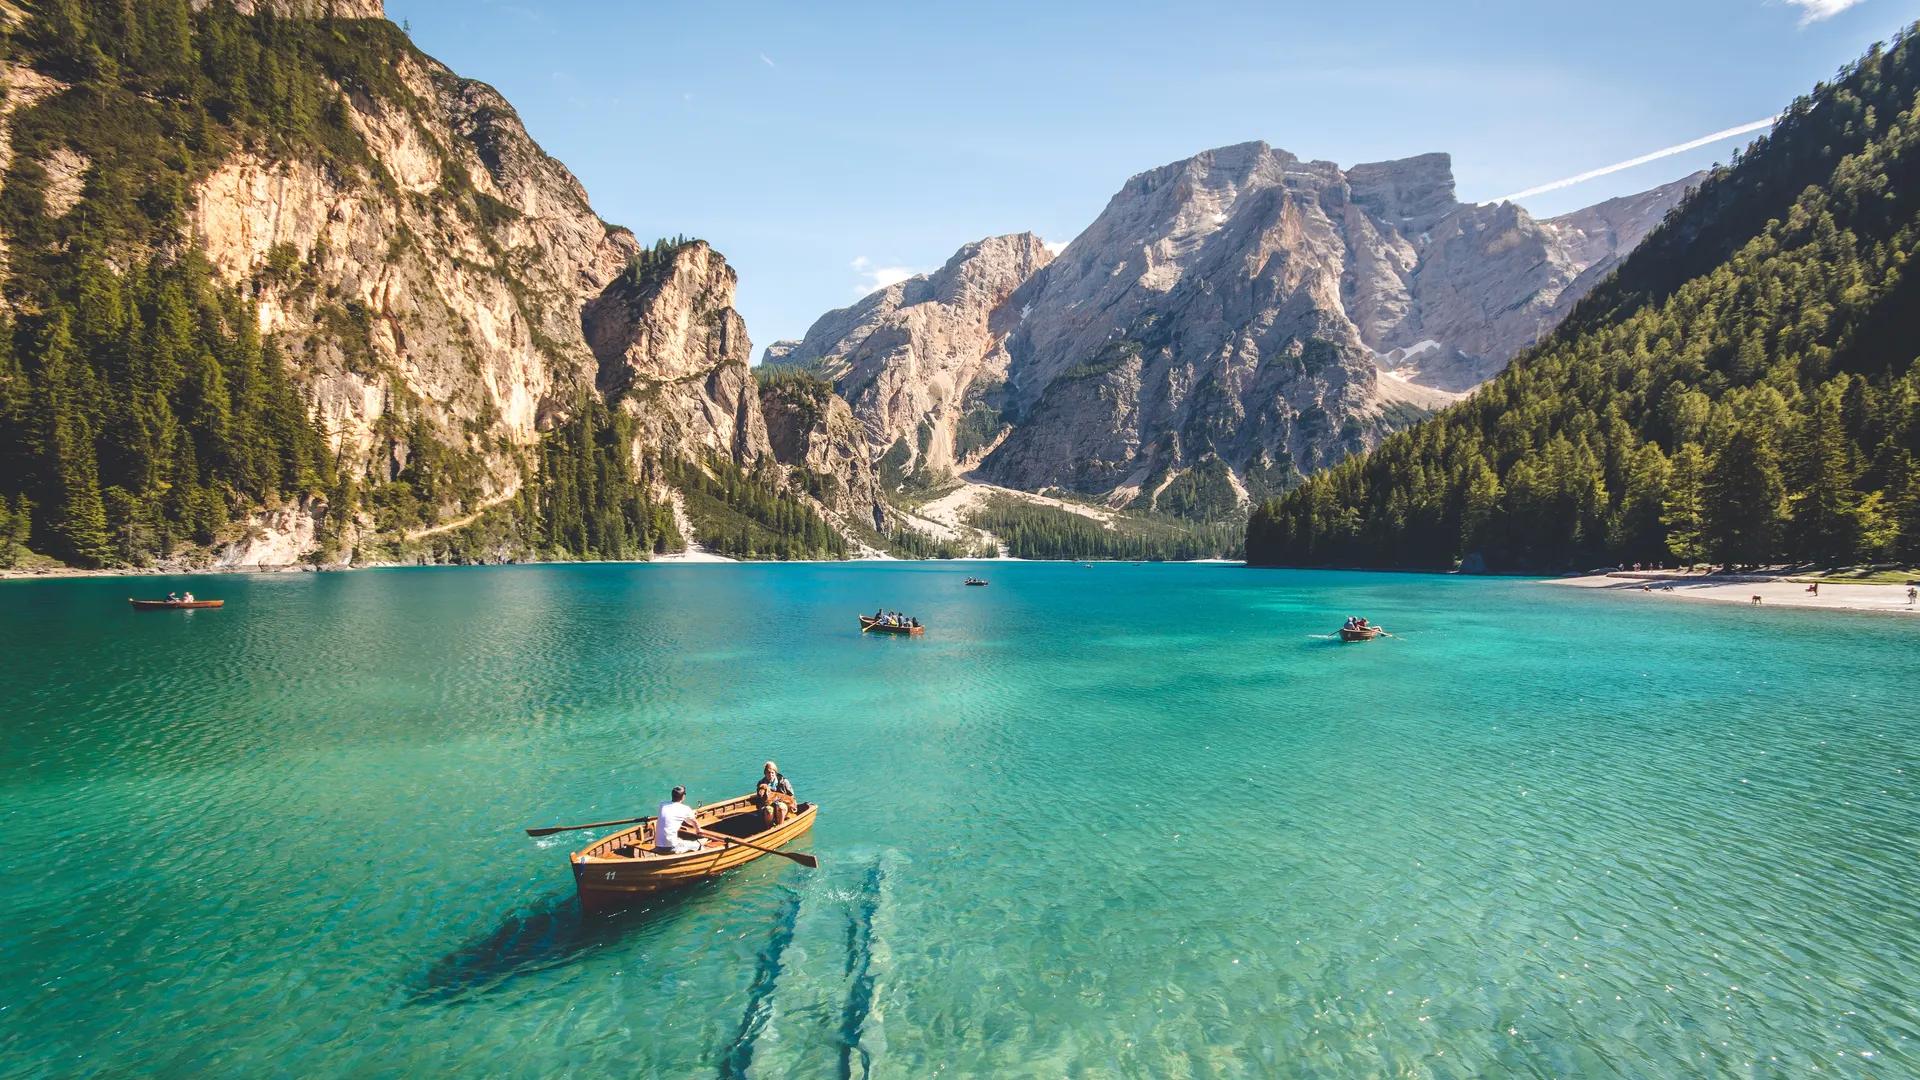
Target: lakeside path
1738,589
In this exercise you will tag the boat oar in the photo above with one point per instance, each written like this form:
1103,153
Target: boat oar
589,825
803,859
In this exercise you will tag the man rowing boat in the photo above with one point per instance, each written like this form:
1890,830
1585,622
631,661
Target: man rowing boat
677,830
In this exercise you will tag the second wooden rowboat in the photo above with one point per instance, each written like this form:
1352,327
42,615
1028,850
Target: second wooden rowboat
622,868
878,626
169,605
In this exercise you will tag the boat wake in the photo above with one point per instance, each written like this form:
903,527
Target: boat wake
814,1003
766,975
861,1036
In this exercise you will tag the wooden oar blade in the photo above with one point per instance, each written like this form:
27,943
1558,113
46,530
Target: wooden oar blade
803,859
588,825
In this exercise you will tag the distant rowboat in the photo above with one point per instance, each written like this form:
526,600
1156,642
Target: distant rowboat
880,626
624,867
168,605
975,581
1360,633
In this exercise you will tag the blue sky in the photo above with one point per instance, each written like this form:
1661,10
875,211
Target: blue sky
825,146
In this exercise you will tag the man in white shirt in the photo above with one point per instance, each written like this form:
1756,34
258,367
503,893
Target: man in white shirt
677,819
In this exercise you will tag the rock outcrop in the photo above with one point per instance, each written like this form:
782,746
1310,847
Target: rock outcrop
306,9
813,432
673,351
453,297
464,290
1227,324
922,362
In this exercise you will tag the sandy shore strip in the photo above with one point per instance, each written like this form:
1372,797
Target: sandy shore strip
1741,589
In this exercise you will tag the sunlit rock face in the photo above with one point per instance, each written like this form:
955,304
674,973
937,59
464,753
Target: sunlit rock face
1228,323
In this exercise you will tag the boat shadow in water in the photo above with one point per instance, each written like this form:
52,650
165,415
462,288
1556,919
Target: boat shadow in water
548,935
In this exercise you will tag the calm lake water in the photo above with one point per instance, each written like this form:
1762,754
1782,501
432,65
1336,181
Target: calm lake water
1110,821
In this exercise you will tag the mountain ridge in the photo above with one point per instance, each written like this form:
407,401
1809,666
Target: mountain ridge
1237,318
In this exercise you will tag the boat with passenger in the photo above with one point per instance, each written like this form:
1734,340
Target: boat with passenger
172,605
891,623
624,867
1358,629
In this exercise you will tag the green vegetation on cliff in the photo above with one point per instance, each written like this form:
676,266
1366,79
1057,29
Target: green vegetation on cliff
1744,390
139,410
750,515
1030,531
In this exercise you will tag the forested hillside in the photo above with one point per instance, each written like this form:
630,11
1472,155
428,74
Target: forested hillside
1744,390
138,406
1044,532
275,285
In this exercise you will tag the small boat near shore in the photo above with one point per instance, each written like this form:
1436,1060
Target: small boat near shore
975,581
170,605
623,867
882,626
1360,633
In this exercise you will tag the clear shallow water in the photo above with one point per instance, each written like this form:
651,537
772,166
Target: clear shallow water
1110,821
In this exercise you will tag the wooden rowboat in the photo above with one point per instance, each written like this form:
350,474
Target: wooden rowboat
1360,633
622,868
976,581
169,605
868,622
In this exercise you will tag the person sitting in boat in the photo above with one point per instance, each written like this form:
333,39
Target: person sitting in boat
186,598
773,794
173,597
677,831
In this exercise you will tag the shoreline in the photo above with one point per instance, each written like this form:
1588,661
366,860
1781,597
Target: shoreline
1742,588
679,558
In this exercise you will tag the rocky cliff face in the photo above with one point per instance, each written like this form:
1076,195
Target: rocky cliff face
463,289
673,351
1228,323
923,362
305,9
812,430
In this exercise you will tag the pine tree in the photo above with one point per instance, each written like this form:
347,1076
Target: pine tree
1683,507
1826,509
78,515
1745,500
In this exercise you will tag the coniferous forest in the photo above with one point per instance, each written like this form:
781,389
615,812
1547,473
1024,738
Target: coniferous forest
141,413
139,409
1745,389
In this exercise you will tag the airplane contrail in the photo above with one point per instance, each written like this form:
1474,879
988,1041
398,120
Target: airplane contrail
1682,148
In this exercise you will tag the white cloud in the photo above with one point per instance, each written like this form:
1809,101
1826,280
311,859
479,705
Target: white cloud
767,60
874,278
1812,11
1055,246
1668,151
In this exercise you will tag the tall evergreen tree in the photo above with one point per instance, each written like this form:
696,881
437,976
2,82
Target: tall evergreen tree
1745,500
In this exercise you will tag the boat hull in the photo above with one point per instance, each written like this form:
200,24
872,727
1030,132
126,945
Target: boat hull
868,622
606,880
173,605
1359,635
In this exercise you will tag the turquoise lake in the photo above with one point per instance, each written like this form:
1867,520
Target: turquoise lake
1108,821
